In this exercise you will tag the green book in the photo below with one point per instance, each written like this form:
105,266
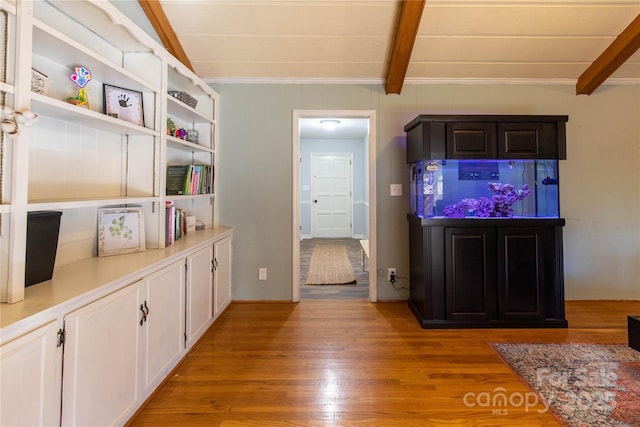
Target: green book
176,178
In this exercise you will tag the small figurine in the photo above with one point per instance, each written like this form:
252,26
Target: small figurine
81,100
171,127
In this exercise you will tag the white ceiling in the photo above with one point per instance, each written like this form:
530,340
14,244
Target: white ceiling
347,129
350,40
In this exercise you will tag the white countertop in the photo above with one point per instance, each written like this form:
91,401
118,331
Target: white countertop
79,283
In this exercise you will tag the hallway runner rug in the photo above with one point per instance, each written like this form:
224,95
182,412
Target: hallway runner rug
330,265
580,384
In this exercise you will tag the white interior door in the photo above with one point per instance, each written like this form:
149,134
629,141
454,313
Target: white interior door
331,177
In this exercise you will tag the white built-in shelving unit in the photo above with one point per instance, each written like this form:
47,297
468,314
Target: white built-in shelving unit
76,160
92,344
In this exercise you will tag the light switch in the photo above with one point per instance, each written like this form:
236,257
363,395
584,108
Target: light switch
396,189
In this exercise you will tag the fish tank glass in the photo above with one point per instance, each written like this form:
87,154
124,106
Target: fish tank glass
485,189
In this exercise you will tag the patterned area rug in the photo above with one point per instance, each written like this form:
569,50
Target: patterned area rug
580,384
330,265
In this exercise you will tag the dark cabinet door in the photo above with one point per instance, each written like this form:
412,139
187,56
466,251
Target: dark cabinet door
527,141
426,141
520,273
417,269
426,266
471,292
471,140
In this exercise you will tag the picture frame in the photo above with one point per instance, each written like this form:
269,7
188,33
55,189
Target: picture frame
39,82
192,136
120,230
123,104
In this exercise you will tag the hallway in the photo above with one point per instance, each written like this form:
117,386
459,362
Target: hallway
358,291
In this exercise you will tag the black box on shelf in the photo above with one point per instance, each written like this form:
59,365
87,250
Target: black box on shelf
184,97
634,332
43,228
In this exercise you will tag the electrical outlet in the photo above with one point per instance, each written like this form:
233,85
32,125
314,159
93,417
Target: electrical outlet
262,273
391,272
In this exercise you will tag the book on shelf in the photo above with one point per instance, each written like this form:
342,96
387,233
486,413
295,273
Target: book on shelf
176,179
175,223
169,219
189,179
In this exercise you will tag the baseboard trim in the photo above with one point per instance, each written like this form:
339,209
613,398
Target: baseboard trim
261,301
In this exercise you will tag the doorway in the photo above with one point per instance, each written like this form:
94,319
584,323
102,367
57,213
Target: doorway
356,221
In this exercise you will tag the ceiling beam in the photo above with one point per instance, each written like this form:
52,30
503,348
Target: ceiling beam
625,45
160,22
405,37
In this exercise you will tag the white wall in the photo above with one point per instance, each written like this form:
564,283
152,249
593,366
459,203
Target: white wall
599,182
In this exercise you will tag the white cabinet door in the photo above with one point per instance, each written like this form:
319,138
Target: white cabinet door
222,274
163,331
199,293
100,382
30,375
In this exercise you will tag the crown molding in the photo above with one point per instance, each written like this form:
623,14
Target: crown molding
293,80
413,81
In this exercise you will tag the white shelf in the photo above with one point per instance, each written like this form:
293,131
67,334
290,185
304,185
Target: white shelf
189,196
6,88
180,110
108,23
50,107
183,79
87,203
180,144
51,44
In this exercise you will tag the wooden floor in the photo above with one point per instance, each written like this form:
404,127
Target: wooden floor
359,290
354,363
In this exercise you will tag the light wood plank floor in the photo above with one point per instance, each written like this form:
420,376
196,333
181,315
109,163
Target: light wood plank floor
354,363
359,290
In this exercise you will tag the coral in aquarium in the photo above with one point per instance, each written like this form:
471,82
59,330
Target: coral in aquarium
499,205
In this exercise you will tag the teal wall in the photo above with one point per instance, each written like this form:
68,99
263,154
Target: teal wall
599,182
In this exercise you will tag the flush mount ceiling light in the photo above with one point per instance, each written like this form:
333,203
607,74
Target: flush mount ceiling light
330,124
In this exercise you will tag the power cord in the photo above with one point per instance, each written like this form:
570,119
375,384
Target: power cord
393,282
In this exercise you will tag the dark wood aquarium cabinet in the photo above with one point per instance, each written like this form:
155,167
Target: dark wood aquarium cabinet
634,332
485,235
471,273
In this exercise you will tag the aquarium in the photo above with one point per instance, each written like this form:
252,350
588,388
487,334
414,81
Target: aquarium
485,189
